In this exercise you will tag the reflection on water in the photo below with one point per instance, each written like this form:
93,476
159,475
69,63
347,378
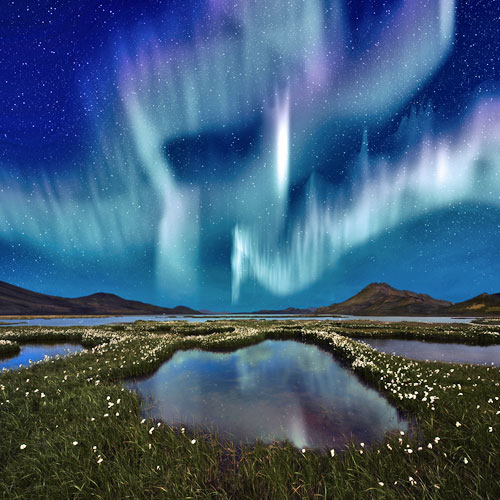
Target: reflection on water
37,352
434,351
276,390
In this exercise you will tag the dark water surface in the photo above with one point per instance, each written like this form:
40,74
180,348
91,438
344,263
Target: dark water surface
435,351
276,390
37,352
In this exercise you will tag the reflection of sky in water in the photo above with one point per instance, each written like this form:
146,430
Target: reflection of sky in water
433,351
275,390
36,353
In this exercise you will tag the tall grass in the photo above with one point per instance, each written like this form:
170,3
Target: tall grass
68,428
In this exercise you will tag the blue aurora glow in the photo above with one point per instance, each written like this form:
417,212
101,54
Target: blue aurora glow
279,153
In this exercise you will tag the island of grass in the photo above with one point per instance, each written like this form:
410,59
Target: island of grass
69,429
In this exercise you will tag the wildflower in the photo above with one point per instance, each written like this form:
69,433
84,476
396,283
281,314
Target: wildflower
22,447
75,443
332,452
151,430
193,441
458,424
380,483
429,446
466,461
99,459
490,429
437,439
143,420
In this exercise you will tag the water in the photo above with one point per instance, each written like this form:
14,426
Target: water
434,351
37,352
276,390
88,321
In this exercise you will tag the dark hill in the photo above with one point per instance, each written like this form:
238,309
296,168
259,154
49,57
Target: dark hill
288,310
483,305
19,301
381,299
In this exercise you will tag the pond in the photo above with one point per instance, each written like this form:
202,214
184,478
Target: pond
435,351
37,352
273,391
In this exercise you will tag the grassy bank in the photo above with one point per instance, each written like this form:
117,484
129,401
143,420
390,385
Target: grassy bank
8,347
68,428
472,334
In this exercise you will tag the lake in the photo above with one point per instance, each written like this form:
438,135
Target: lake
273,391
437,351
89,321
37,352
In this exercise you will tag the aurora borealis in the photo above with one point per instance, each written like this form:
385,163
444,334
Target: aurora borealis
236,156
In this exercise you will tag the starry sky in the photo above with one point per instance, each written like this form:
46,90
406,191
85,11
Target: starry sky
240,155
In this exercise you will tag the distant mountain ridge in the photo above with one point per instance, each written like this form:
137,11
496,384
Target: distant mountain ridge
376,299
485,304
19,301
381,299
288,310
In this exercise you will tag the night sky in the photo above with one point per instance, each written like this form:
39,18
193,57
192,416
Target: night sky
241,155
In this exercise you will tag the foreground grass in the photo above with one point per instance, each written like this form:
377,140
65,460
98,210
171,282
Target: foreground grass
68,428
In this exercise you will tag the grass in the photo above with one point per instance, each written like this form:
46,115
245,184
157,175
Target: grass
8,347
68,428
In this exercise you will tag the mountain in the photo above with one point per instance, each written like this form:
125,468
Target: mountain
483,305
288,310
381,299
19,301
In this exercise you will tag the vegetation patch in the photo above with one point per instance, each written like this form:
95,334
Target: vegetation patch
472,334
8,347
69,429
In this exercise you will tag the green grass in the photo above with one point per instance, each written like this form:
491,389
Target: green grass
51,405
8,347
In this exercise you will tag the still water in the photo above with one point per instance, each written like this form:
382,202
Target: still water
88,321
37,352
434,351
273,391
